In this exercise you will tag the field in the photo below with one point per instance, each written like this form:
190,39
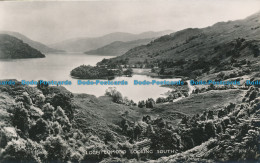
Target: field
195,104
100,113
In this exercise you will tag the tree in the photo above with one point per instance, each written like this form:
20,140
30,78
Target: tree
116,96
221,113
109,137
160,122
64,100
185,120
23,151
124,124
150,103
255,50
130,133
25,99
40,99
147,119
39,131
48,111
63,120
76,157
137,131
57,148
219,128
160,100
149,131
187,140
21,118
162,71
153,70
128,72
198,134
210,115
141,104
43,87
56,128
210,130
164,139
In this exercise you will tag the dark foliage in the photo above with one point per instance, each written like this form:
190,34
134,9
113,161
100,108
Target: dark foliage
89,72
11,47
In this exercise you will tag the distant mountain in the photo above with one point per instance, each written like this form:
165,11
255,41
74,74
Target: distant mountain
86,44
220,43
13,48
118,47
37,45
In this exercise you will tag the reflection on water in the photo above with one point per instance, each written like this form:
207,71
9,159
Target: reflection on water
58,66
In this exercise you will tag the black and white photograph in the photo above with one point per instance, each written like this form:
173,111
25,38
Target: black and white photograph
129,81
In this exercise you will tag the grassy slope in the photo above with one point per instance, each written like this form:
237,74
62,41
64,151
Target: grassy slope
97,114
194,43
196,104
100,115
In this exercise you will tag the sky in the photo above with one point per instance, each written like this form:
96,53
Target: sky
53,21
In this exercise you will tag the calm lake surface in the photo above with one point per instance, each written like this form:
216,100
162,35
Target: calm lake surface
58,66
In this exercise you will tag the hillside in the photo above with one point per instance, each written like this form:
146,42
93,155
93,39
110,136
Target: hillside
13,48
62,127
118,48
228,133
85,43
196,49
36,45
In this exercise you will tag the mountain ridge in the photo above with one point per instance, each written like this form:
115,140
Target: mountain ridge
195,45
35,44
118,47
13,48
84,44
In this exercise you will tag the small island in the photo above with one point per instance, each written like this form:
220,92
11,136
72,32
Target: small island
92,72
98,72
